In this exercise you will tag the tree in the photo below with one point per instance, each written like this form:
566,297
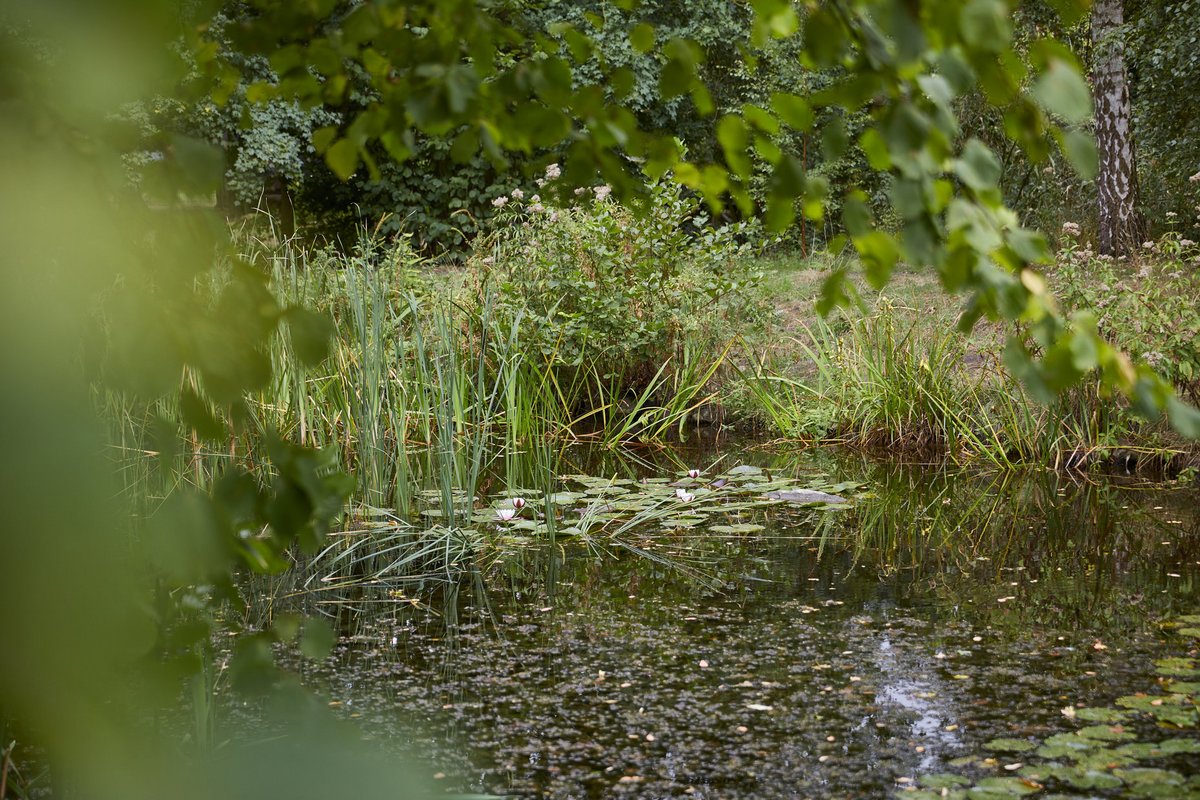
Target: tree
1121,225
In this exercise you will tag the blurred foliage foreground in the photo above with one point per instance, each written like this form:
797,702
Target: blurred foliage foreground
102,615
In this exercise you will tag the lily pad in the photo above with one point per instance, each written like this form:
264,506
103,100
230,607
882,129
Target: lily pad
1003,787
944,780
1078,776
1184,667
1101,714
1105,733
1010,745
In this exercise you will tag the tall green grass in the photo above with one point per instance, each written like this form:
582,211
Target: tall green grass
425,387
885,381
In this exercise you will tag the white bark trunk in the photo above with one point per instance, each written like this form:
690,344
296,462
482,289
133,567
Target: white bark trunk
1120,225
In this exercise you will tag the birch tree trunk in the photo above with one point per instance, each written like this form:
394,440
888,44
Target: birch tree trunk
1121,227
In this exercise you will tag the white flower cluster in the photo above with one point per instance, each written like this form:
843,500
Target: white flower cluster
1070,229
499,202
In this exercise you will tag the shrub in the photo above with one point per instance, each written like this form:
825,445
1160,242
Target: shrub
612,293
1149,306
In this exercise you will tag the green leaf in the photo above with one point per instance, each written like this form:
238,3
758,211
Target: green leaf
1062,90
760,118
465,145
879,253
834,140
734,139
310,334
198,415
793,109
676,77
316,639
252,667
978,167
641,37
1080,149
342,158
875,147
985,25
1184,418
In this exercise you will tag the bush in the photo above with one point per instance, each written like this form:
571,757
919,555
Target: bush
1148,306
612,294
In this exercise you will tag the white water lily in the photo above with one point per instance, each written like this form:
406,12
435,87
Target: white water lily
518,503
693,473
506,514
684,495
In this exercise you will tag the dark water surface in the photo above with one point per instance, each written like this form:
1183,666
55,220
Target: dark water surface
834,653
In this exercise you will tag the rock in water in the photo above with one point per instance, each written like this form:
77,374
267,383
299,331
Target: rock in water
805,496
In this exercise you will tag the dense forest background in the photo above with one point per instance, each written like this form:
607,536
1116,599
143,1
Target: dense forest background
443,198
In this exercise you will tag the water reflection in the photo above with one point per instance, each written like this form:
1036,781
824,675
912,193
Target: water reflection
828,655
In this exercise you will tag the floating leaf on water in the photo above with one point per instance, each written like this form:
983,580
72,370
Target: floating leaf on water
1144,775
1184,667
1065,745
1010,745
1077,776
743,527
606,490
1002,787
745,469
1105,733
943,780
1100,714
1176,709
1193,632
1174,747
804,496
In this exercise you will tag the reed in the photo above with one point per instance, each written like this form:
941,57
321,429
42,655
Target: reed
883,381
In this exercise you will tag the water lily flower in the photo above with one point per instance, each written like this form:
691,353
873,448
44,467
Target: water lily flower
518,503
684,495
693,473
506,514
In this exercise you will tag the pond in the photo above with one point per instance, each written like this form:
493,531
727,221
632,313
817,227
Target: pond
937,636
